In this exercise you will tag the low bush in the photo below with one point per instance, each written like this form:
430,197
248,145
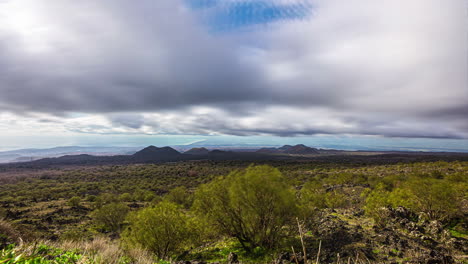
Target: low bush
164,229
111,216
253,205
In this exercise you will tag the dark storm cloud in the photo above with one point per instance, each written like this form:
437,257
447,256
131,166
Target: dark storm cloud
148,56
393,68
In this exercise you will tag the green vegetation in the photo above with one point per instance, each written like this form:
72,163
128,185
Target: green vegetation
40,255
435,198
163,229
180,195
75,201
111,216
204,210
253,205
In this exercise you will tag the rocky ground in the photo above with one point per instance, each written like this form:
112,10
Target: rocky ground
406,238
348,236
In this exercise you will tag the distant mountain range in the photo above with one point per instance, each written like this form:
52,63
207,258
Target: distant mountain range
154,154
75,155
24,155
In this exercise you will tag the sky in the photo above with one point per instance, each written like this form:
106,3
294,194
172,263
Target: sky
369,72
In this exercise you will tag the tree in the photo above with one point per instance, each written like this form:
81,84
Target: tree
252,205
163,229
111,216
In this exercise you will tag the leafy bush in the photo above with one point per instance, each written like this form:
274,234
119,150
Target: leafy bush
180,195
75,201
111,216
126,197
437,199
377,201
253,205
163,229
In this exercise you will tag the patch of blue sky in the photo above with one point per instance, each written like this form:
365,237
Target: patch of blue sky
200,4
223,16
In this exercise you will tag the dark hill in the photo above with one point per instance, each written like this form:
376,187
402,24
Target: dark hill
301,149
197,151
153,153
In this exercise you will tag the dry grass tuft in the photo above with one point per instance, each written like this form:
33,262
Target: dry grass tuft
102,250
8,234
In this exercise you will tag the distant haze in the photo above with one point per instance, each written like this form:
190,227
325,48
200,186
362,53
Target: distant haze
184,143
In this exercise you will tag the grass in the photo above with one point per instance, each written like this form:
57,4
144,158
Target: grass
42,254
98,251
458,234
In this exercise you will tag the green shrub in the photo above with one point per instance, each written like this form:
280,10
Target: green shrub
377,201
126,197
75,201
111,216
253,205
91,198
313,195
180,195
163,229
437,199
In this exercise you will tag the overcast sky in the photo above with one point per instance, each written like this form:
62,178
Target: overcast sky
386,68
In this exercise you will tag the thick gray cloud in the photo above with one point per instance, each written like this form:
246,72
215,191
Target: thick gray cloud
389,67
117,56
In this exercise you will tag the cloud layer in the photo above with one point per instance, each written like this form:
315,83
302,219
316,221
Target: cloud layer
237,67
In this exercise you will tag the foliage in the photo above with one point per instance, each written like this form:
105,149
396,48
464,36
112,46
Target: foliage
314,195
436,198
75,201
253,205
41,255
376,203
180,195
111,216
163,229
36,200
